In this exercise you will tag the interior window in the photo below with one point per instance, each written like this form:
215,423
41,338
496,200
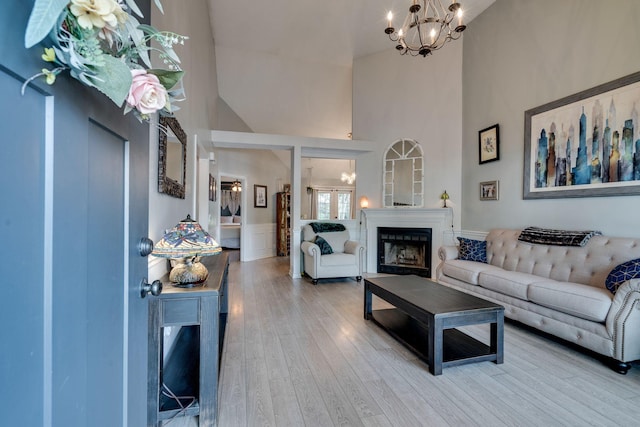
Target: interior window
333,204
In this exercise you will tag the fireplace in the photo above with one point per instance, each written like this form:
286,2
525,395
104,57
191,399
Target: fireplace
404,251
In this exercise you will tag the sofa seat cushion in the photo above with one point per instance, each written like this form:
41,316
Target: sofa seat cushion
467,271
334,260
336,240
584,301
512,283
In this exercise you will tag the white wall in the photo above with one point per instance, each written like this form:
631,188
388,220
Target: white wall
279,95
197,112
418,98
520,54
261,167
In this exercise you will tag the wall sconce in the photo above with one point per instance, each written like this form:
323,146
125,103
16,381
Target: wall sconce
364,202
444,196
184,244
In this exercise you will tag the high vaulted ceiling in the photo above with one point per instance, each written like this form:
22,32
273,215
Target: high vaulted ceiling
330,31
286,66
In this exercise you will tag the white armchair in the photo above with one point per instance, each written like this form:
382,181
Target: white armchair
344,260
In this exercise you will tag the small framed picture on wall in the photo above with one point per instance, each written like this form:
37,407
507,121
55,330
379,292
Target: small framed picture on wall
489,144
212,188
489,190
259,196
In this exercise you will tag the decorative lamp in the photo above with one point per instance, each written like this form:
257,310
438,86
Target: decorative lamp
185,244
444,196
364,202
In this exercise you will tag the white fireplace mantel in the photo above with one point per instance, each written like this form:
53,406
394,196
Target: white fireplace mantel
439,220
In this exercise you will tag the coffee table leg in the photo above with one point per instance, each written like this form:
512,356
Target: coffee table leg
436,346
497,338
367,301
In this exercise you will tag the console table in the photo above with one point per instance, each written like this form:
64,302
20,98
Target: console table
193,363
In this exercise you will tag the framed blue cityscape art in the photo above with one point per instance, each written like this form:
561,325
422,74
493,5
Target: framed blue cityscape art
585,145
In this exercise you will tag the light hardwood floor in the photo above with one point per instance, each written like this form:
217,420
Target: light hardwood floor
302,355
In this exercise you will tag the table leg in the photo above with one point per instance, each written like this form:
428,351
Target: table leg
367,301
436,346
497,338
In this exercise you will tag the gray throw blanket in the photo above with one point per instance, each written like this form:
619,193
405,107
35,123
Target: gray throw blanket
547,236
323,227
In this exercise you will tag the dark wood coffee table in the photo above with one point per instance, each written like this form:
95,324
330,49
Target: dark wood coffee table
426,315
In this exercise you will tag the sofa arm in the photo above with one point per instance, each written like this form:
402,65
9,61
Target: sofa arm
310,248
447,252
352,247
623,321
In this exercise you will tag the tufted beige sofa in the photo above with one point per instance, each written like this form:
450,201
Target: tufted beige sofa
557,289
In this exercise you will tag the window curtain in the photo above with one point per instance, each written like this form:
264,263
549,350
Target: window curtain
230,200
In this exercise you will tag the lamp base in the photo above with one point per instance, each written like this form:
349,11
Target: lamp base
188,272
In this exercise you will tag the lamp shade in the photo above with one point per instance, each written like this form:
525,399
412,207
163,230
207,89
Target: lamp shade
186,243
364,202
444,196
186,239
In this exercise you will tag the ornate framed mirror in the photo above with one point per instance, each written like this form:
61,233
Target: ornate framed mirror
172,158
403,175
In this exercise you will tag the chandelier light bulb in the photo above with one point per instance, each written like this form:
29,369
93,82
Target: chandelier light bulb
428,27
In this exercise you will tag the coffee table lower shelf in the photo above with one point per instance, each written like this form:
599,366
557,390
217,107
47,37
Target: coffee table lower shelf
458,347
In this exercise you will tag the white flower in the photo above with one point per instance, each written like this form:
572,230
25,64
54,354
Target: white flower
146,94
97,13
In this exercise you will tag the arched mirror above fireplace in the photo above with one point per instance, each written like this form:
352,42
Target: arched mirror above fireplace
403,175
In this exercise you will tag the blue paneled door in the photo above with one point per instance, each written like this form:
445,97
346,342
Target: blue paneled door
74,204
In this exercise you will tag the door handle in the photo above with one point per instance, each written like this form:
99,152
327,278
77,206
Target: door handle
145,246
154,288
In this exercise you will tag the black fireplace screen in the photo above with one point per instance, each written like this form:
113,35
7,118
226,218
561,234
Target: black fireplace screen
404,251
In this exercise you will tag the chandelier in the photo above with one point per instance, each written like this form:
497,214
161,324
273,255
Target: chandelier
236,186
427,27
348,177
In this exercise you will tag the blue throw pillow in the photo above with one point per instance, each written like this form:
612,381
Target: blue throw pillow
472,250
325,247
623,272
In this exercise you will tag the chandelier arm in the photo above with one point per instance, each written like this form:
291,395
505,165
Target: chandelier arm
436,16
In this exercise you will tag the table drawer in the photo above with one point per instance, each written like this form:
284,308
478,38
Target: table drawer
182,311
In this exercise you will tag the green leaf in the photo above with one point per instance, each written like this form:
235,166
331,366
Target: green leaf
114,79
134,8
167,78
44,16
137,35
159,6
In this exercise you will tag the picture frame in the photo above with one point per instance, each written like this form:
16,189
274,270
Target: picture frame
259,196
212,188
586,142
489,144
489,190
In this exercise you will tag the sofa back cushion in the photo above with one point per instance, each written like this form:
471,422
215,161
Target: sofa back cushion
589,264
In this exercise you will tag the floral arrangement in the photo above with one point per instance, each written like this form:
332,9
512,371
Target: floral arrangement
104,46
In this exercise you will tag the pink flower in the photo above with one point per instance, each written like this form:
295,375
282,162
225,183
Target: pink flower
146,94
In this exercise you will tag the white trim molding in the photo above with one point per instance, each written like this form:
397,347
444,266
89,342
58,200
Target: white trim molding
260,241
